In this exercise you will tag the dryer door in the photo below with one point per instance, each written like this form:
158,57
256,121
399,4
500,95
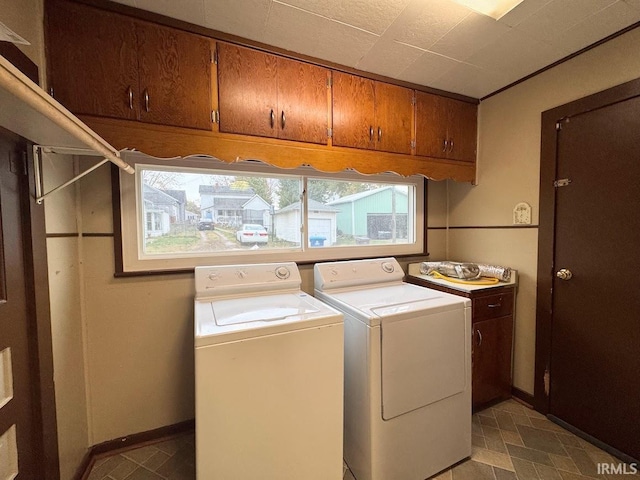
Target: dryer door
424,360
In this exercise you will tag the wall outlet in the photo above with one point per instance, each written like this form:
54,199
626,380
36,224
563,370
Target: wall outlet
522,214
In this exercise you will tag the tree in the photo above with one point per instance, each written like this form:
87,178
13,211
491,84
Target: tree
263,186
288,191
161,180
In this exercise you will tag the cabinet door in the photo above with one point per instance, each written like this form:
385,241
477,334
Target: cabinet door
302,101
247,91
353,111
463,126
93,66
394,111
431,125
175,77
492,359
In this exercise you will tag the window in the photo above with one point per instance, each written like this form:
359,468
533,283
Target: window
200,211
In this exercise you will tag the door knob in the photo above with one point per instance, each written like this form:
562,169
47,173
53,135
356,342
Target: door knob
564,274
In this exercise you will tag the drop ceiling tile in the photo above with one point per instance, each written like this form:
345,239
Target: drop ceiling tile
388,57
604,23
558,16
423,23
246,18
427,68
522,11
485,84
310,34
633,3
512,52
458,77
469,36
372,15
191,11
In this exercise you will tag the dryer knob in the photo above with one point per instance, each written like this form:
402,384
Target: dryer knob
388,267
282,273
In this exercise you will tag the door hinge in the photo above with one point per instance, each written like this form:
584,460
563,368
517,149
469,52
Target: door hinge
330,132
214,56
413,144
563,182
215,116
329,82
558,126
413,100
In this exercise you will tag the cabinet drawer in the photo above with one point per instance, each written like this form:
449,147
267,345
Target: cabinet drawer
493,306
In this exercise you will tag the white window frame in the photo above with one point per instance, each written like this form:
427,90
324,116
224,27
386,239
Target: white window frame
131,235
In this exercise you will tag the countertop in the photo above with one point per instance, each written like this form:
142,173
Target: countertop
414,271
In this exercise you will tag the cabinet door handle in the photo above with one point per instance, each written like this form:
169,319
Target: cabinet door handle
445,144
371,133
479,337
283,120
130,97
272,118
379,133
494,305
145,95
51,91
451,145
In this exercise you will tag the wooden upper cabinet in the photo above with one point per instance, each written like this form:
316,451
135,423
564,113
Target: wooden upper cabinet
109,65
394,112
354,115
370,114
93,65
445,128
303,106
175,77
269,96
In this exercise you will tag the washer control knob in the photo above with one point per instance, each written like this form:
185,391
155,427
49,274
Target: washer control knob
388,267
282,273
214,276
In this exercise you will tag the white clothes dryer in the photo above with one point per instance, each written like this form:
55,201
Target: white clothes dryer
407,370
269,376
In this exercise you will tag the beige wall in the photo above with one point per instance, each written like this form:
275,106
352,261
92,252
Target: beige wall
24,17
508,173
67,330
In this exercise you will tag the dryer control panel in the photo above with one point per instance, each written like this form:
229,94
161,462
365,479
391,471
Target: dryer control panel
354,273
240,279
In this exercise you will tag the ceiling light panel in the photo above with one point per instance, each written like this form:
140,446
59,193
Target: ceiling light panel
492,8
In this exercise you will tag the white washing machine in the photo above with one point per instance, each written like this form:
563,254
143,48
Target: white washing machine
407,370
269,376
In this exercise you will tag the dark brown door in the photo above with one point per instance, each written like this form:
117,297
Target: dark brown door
595,345
18,378
175,77
394,111
303,109
354,121
93,65
247,91
431,125
462,130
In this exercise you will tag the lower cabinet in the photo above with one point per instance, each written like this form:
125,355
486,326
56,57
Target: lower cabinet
491,377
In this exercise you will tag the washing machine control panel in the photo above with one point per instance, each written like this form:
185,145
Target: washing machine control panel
232,279
358,272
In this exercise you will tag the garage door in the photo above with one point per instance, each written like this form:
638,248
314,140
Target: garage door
320,227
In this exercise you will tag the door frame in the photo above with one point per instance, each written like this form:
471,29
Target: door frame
546,230
37,291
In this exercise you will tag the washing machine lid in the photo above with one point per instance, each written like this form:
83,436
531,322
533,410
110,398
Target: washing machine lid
392,302
238,318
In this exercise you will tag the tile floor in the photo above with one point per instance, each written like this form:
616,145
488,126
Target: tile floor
510,442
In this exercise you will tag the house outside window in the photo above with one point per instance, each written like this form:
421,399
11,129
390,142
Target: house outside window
300,215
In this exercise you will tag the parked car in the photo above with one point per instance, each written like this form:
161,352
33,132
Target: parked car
206,224
252,233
